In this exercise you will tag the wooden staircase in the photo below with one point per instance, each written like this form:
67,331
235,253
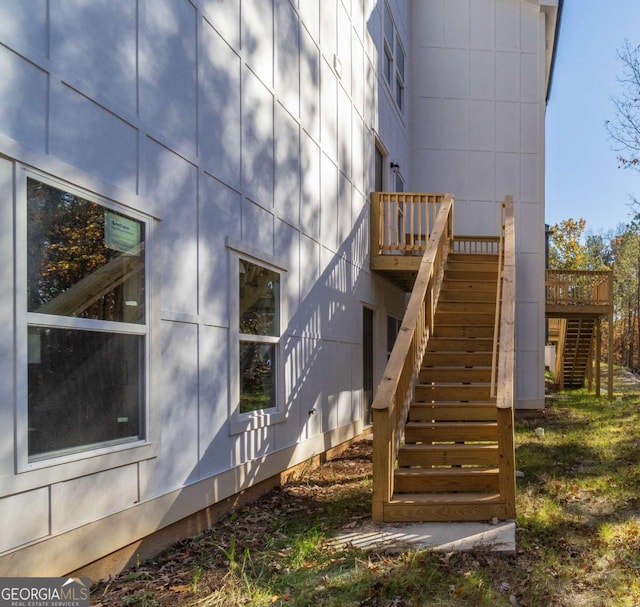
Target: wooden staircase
578,341
443,439
448,465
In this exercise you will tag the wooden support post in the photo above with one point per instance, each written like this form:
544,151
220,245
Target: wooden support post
598,354
382,466
506,462
610,358
590,366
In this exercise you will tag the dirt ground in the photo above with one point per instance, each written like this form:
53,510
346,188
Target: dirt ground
169,579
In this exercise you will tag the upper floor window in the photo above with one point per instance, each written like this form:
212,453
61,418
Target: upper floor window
394,58
388,45
86,322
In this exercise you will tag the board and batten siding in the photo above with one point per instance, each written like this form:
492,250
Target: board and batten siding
250,122
478,105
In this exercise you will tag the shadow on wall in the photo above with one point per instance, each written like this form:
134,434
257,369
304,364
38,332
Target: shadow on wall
320,225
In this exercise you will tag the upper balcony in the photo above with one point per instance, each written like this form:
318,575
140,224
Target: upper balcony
401,225
578,293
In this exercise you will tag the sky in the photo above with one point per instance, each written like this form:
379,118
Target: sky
582,174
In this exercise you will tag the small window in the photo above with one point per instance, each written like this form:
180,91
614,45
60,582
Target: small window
394,59
399,56
259,329
400,59
379,170
388,65
388,25
87,323
400,93
257,320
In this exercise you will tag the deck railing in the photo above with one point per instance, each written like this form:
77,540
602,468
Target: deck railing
476,245
393,397
401,222
579,287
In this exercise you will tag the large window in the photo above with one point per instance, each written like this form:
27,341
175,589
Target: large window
86,322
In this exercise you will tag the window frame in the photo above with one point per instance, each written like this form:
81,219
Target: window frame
123,449
261,418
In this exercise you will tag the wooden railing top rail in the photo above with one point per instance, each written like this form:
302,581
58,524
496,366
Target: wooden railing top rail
476,245
594,273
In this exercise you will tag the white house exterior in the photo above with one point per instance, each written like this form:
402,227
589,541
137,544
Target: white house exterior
210,319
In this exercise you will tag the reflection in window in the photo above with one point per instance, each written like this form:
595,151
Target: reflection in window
86,377
259,329
259,300
83,260
257,379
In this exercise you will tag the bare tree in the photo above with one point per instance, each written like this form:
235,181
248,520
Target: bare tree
625,128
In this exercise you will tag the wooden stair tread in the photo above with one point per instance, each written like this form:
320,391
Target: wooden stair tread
446,498
452,448
448,472
461,424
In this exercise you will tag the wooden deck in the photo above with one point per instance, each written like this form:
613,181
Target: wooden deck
576,303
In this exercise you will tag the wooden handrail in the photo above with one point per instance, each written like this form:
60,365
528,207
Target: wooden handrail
393,396
506,328
504,390
496,322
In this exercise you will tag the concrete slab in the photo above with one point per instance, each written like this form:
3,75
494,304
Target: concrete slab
442,537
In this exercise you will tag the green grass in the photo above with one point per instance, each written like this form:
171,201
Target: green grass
578,534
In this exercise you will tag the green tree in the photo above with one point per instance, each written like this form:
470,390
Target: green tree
598,251
566,252
626,295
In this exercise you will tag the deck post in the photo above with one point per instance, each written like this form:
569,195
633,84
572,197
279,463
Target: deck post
610,359
598,353
507,458
382,466
590,366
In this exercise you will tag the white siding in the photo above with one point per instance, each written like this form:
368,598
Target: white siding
478,107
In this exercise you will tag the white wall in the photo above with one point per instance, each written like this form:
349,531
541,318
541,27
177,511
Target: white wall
478,101
219,119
